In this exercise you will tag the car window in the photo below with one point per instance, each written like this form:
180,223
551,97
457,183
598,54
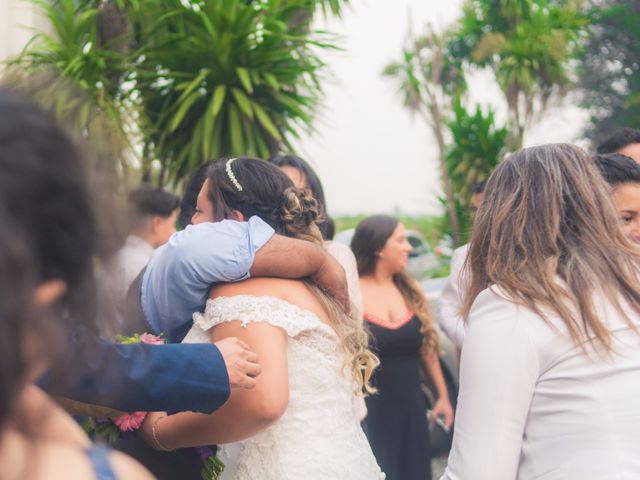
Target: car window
420,247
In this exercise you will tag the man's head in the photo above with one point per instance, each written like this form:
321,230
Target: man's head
153,214
623,175
625,141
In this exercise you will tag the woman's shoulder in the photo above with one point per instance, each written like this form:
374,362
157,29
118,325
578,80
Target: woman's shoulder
283,288
283,303
493,308
494,312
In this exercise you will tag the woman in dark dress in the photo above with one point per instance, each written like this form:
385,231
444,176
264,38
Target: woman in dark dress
403,337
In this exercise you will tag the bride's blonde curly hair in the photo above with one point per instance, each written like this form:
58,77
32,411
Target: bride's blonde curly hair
255,187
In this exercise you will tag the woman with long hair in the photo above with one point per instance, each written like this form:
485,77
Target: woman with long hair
299,420
550,369
397,313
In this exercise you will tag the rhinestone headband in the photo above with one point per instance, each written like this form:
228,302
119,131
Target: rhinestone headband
232,176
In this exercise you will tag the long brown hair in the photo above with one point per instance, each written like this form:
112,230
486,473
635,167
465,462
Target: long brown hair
547,215
369,238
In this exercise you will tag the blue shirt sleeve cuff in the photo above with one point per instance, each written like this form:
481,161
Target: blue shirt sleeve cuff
257,235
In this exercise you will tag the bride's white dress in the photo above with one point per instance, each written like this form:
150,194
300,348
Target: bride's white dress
319,436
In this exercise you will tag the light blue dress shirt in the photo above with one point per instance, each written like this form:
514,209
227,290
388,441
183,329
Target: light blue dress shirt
178,277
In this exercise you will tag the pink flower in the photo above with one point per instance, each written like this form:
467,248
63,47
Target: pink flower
130,421
151,339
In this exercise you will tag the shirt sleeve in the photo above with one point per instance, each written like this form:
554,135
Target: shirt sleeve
499,371
223,251
452,299
180,273
139,377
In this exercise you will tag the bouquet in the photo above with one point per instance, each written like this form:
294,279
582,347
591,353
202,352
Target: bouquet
121,425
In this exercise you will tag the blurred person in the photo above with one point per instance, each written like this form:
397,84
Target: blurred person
45,189
622,174
551,361
38,440
398,317
299,421
452,297
625,141
153,213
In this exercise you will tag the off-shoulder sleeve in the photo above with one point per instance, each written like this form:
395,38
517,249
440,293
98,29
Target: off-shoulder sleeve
253,309
498,373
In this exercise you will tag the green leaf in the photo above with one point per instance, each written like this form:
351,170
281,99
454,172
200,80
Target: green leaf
266,122
235,129
191,86
271,79
182,111
243,75
243,102
218,98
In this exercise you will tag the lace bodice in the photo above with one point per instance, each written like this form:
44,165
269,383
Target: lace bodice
319,436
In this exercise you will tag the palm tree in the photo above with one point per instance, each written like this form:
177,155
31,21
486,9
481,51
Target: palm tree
190,80
477,147
529,45
428,81
224,78
70,73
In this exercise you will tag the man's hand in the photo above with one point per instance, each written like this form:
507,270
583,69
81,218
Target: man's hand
242,364
331,278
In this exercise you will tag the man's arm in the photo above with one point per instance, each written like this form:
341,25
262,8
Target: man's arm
141,377
291,258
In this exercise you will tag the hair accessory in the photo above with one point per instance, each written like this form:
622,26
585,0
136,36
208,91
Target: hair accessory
232,175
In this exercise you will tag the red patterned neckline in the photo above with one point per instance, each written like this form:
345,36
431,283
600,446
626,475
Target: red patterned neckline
386,323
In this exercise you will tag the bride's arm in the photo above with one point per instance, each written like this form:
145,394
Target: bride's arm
247,412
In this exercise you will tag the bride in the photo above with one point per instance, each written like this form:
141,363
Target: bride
300,420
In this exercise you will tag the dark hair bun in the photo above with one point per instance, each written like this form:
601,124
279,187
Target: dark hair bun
298,211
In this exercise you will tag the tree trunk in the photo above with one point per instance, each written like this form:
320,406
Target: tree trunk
437,127
515,138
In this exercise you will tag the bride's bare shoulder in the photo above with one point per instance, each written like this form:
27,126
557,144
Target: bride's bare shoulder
275,287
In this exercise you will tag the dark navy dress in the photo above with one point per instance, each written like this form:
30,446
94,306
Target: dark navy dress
396,423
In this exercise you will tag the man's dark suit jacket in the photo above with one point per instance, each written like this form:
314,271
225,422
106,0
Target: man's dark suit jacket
138,377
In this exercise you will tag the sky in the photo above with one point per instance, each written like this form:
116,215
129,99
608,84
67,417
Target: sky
370,154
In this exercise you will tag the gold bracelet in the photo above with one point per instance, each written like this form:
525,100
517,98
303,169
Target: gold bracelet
154,433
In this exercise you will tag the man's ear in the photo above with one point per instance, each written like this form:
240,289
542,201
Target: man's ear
156,220
237,215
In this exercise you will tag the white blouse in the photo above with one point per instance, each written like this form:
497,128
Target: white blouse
533,406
